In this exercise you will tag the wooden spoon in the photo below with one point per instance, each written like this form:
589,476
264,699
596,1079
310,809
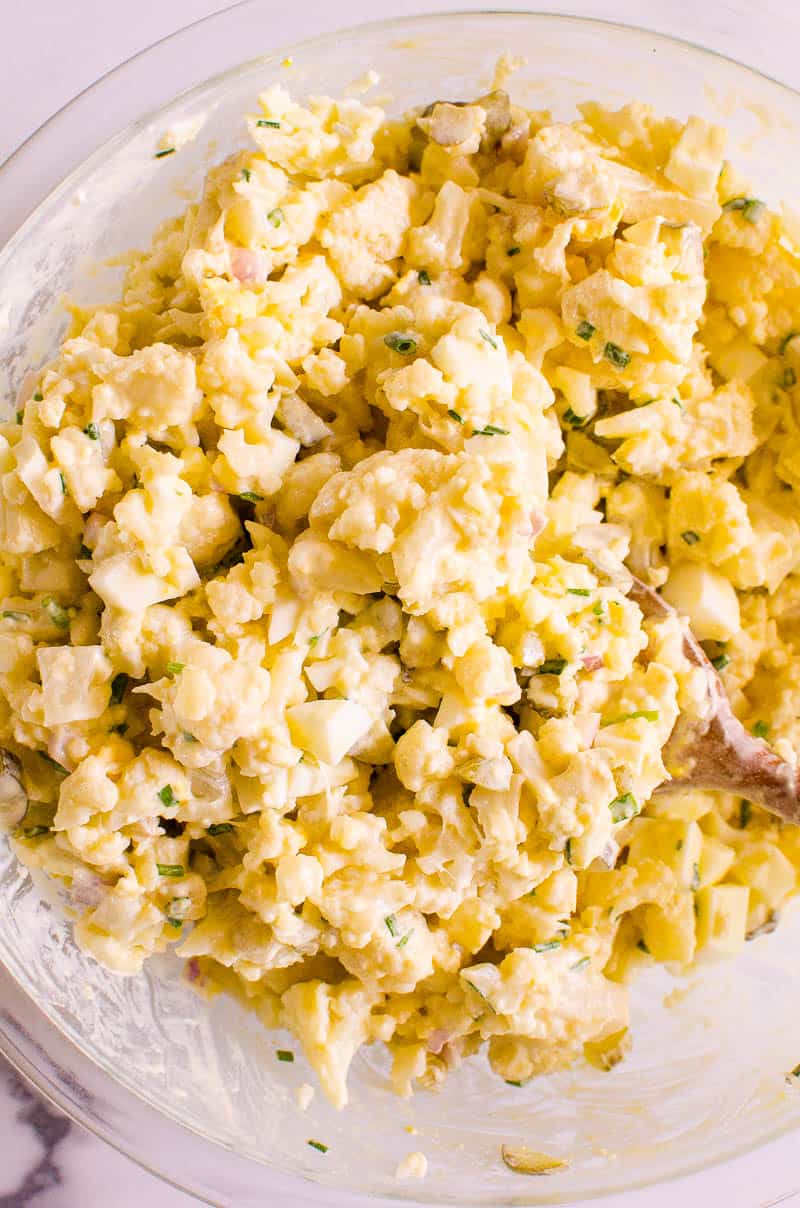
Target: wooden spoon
716,752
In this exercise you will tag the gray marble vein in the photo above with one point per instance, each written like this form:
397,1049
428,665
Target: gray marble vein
47,1162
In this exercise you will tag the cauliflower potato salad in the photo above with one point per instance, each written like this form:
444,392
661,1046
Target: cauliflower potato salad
317,662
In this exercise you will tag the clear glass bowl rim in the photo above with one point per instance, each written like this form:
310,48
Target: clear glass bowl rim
59,1070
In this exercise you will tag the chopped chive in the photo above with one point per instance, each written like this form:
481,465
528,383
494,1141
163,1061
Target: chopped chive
551,667
679,845
263,121
548,946
623,807
402,943
745,812
318,1145
761,729
176,923
38,397
187,737
166,151
84,552
695,883
63,483
423,277
781,347
513,251
795,1073
92,431
677,403
251,496
581,964
579,591
313,641
789,379
480,993
485,335
220,828
690,537
599,608
246,174
10,615
585,330
568,851
276,216
19,417
454,415
643,946
400,341
573,419
491,430
167,797
512,1082
646,714
284,1055
720,662
57,767
391,924
33,832
750,208
616,355
55,612
174,668
170,870
119,685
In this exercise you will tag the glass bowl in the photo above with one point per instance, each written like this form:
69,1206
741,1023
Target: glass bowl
193,1090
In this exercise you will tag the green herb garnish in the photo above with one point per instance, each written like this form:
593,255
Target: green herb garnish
695,882
423,277
38,397
92,431
166,151
585,330
10,615
579,591
176,923
646,714
167,797
616,355
454,415
251,496
402,943
63,482
761,729
174,668
750,208
246,174
276,216
573,419
170,870
318,1145
491,430
19,416
643,946
485,335
513,251
623,807
568,851
33,832
400,341
55,612
220,828
512,1082
391,924
745,812
551,667
581,964
599,608
548,946
781,347
690,537
284,1055
263,121
720,662
57,767
119,685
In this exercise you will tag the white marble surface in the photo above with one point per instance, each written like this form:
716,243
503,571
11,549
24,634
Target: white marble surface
58,49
